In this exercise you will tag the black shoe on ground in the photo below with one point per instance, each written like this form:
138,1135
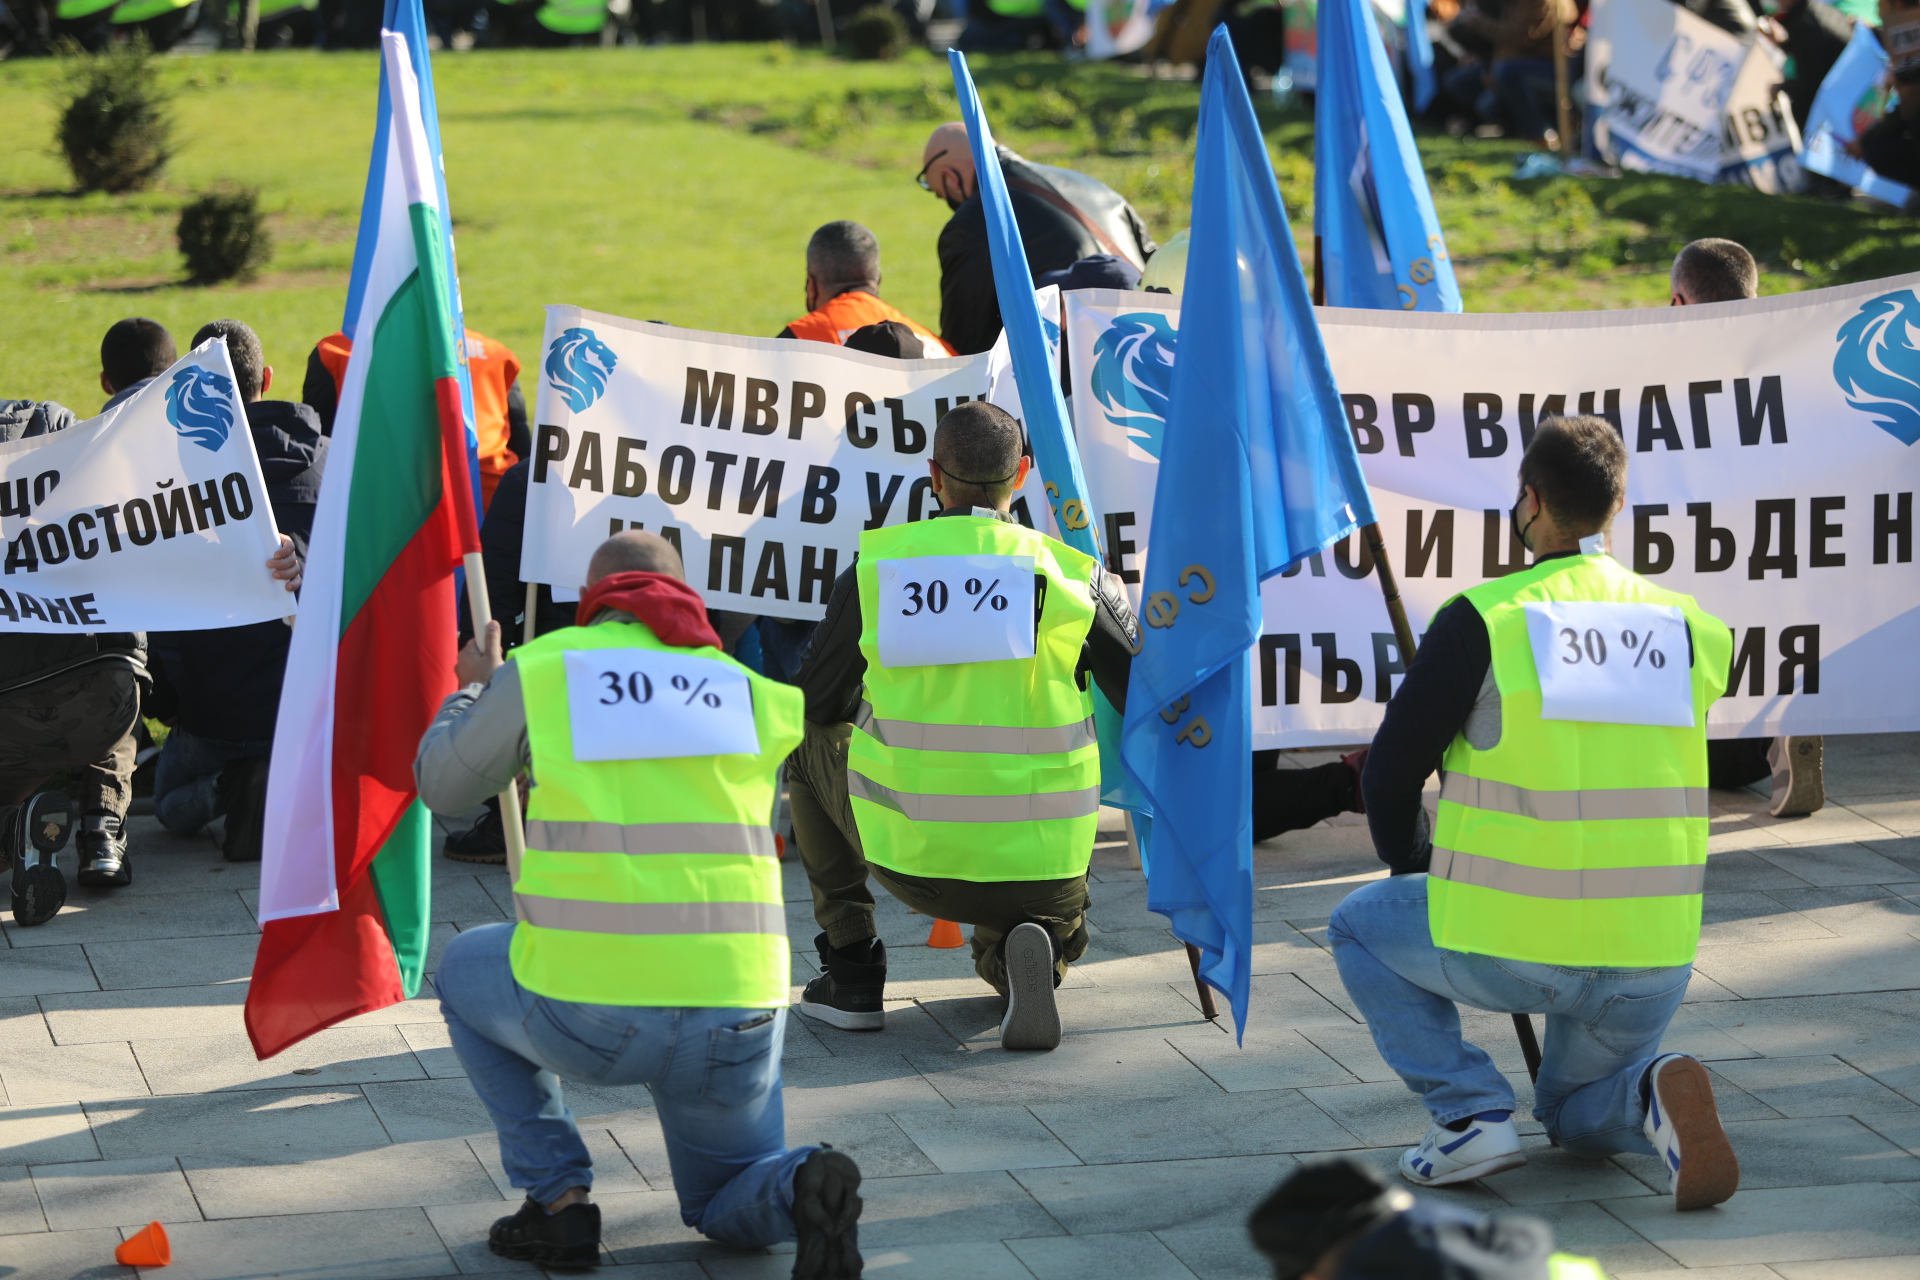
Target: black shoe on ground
33,836
569,1238
243,785
486,842
826,1217
104,863
849,994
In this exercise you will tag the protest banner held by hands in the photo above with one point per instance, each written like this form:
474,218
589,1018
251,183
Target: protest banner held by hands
761,459
1773,463
151,517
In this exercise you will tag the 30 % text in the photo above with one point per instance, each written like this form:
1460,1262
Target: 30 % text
1592,647
636,687
932,596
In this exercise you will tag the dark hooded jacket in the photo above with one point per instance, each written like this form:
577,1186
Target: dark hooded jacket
224,684
1053,237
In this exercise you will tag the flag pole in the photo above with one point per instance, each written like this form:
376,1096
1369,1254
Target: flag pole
1403,640
1562,97
480,607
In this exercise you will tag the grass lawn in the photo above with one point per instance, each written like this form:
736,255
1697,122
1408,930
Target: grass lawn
681,184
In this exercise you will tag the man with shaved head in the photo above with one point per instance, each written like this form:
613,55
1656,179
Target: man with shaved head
843,290
964,779
650,945
1064,216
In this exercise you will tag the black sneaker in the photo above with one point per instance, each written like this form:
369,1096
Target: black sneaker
826,1217
243,785
486,842
849,994
33,836
569,1238
104,863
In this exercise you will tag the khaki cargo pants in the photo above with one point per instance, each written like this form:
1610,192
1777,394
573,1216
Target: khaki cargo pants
79,721
838,869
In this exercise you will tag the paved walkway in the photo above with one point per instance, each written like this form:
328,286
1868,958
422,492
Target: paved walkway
1134,1150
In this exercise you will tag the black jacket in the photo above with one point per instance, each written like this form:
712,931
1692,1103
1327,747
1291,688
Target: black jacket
1817,34
224,684
1053,237
27,659
500,536
833,671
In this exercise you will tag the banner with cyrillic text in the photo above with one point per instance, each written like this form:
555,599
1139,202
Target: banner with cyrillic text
1772,469
152,517
762,459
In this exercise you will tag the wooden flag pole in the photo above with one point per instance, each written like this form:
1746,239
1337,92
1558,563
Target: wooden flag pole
1562,95
480,609
1208,1009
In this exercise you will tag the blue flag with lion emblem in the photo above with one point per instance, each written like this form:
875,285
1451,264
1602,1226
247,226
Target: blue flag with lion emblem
1258,471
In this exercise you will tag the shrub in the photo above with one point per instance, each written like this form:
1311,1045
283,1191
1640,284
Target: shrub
875,32
114,128
223,236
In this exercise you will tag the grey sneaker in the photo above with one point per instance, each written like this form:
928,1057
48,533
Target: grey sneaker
1799,782
1033,1016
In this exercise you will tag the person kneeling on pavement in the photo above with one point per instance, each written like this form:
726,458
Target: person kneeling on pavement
219,690
651,946
1566,867
1337,1220
967,780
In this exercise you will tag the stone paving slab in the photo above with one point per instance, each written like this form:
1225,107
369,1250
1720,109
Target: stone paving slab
128,1091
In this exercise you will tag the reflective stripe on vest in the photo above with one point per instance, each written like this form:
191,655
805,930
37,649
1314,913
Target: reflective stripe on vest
944,754
1568,884
649,882
1602,804
651,837
579,916
975,737
1572,842
1043,807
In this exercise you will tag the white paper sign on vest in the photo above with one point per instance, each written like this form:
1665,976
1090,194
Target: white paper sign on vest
941,610
1772,475
1611,663
763,459
151,517
642,704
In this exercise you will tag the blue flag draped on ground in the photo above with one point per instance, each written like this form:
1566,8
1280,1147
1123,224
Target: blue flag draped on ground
1380,241
1046,412
1257,471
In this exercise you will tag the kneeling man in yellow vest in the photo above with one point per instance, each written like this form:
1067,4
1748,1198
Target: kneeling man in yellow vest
949,744
651,943
1564,874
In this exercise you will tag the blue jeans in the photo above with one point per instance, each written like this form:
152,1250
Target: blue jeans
1603,1025
1520,84
714,1075
185,795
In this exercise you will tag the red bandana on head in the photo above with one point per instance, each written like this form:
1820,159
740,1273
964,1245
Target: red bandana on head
671,609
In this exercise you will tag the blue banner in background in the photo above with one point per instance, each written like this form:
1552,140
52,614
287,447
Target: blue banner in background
1381,247
1257,470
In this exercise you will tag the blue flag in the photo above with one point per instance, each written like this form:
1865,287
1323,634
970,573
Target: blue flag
1046,413
1380,241
1257,471
1419,54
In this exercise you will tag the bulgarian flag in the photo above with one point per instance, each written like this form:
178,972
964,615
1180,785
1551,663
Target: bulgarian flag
344,884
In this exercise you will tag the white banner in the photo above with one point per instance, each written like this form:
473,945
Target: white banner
1772,477
152,517
1676,94
1852,97
761,458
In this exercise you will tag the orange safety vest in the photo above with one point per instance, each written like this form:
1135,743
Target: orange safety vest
493,369
841,314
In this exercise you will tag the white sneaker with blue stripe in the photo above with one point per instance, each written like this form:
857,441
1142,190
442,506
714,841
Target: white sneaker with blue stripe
1445,1157
1684,1127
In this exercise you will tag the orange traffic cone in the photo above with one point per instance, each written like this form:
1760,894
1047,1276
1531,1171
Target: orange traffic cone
148,1247
945,934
